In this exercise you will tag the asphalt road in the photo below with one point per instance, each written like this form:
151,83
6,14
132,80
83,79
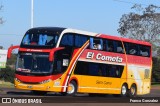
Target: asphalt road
9,92
79,98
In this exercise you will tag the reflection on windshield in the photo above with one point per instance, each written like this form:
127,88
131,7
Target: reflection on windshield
40,39
33,63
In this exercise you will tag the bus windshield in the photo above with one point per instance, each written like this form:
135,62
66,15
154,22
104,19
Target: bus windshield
40,39
33,63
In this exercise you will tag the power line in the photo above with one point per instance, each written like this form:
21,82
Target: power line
129,2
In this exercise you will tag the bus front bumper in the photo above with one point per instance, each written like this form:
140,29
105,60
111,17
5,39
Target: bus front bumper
46,86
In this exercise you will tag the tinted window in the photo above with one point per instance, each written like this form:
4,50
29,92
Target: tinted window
110,45
43,39
144,51
81,68
80,40
93,69
96,43
98,69
119,47
67,40
114,71
136,49
131,48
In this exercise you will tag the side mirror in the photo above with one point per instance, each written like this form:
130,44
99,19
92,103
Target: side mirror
10,51
51,54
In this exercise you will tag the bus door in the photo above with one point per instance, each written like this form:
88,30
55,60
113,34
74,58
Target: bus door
61,63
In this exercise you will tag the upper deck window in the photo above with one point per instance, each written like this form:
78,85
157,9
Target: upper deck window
73,40
67,40
40,39
80,40
96,43
144,50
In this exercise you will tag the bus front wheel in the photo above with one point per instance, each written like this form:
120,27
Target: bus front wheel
72,88
124,90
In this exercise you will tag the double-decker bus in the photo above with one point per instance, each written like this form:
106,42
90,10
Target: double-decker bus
71,61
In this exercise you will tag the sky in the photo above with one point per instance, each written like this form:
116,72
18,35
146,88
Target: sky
99,16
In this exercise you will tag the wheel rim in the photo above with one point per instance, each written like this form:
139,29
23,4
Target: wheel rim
71,89
133,90
124,90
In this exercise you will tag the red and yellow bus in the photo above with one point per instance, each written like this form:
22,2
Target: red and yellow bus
72,61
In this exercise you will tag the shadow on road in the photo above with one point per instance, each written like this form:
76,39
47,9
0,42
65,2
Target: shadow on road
29,93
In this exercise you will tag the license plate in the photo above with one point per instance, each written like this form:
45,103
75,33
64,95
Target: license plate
29,87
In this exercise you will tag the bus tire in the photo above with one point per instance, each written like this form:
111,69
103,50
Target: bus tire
124,90
132,91
39,92
72,88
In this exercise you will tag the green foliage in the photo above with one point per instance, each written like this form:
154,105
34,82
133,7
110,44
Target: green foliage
142,24
7,74
156,70
12,60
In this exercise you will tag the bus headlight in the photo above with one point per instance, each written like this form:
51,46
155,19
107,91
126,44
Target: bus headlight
17,80
45,81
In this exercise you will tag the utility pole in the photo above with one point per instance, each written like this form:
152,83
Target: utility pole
32,13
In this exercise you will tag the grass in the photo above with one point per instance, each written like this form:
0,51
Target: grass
4,84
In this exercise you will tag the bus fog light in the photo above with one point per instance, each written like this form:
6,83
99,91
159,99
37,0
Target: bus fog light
17,80
48,87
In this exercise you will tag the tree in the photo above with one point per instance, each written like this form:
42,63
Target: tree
1,18
143,24
1,22
1,47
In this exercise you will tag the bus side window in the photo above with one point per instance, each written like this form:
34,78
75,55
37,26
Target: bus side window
119,47
91,43
67,40
80,69
115,71
110,46
126,47
144,51
102,69
133,49
93,69
80,40
96,43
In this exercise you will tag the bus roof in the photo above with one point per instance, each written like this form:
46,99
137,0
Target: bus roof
80,32
47,29
125,39
70,30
